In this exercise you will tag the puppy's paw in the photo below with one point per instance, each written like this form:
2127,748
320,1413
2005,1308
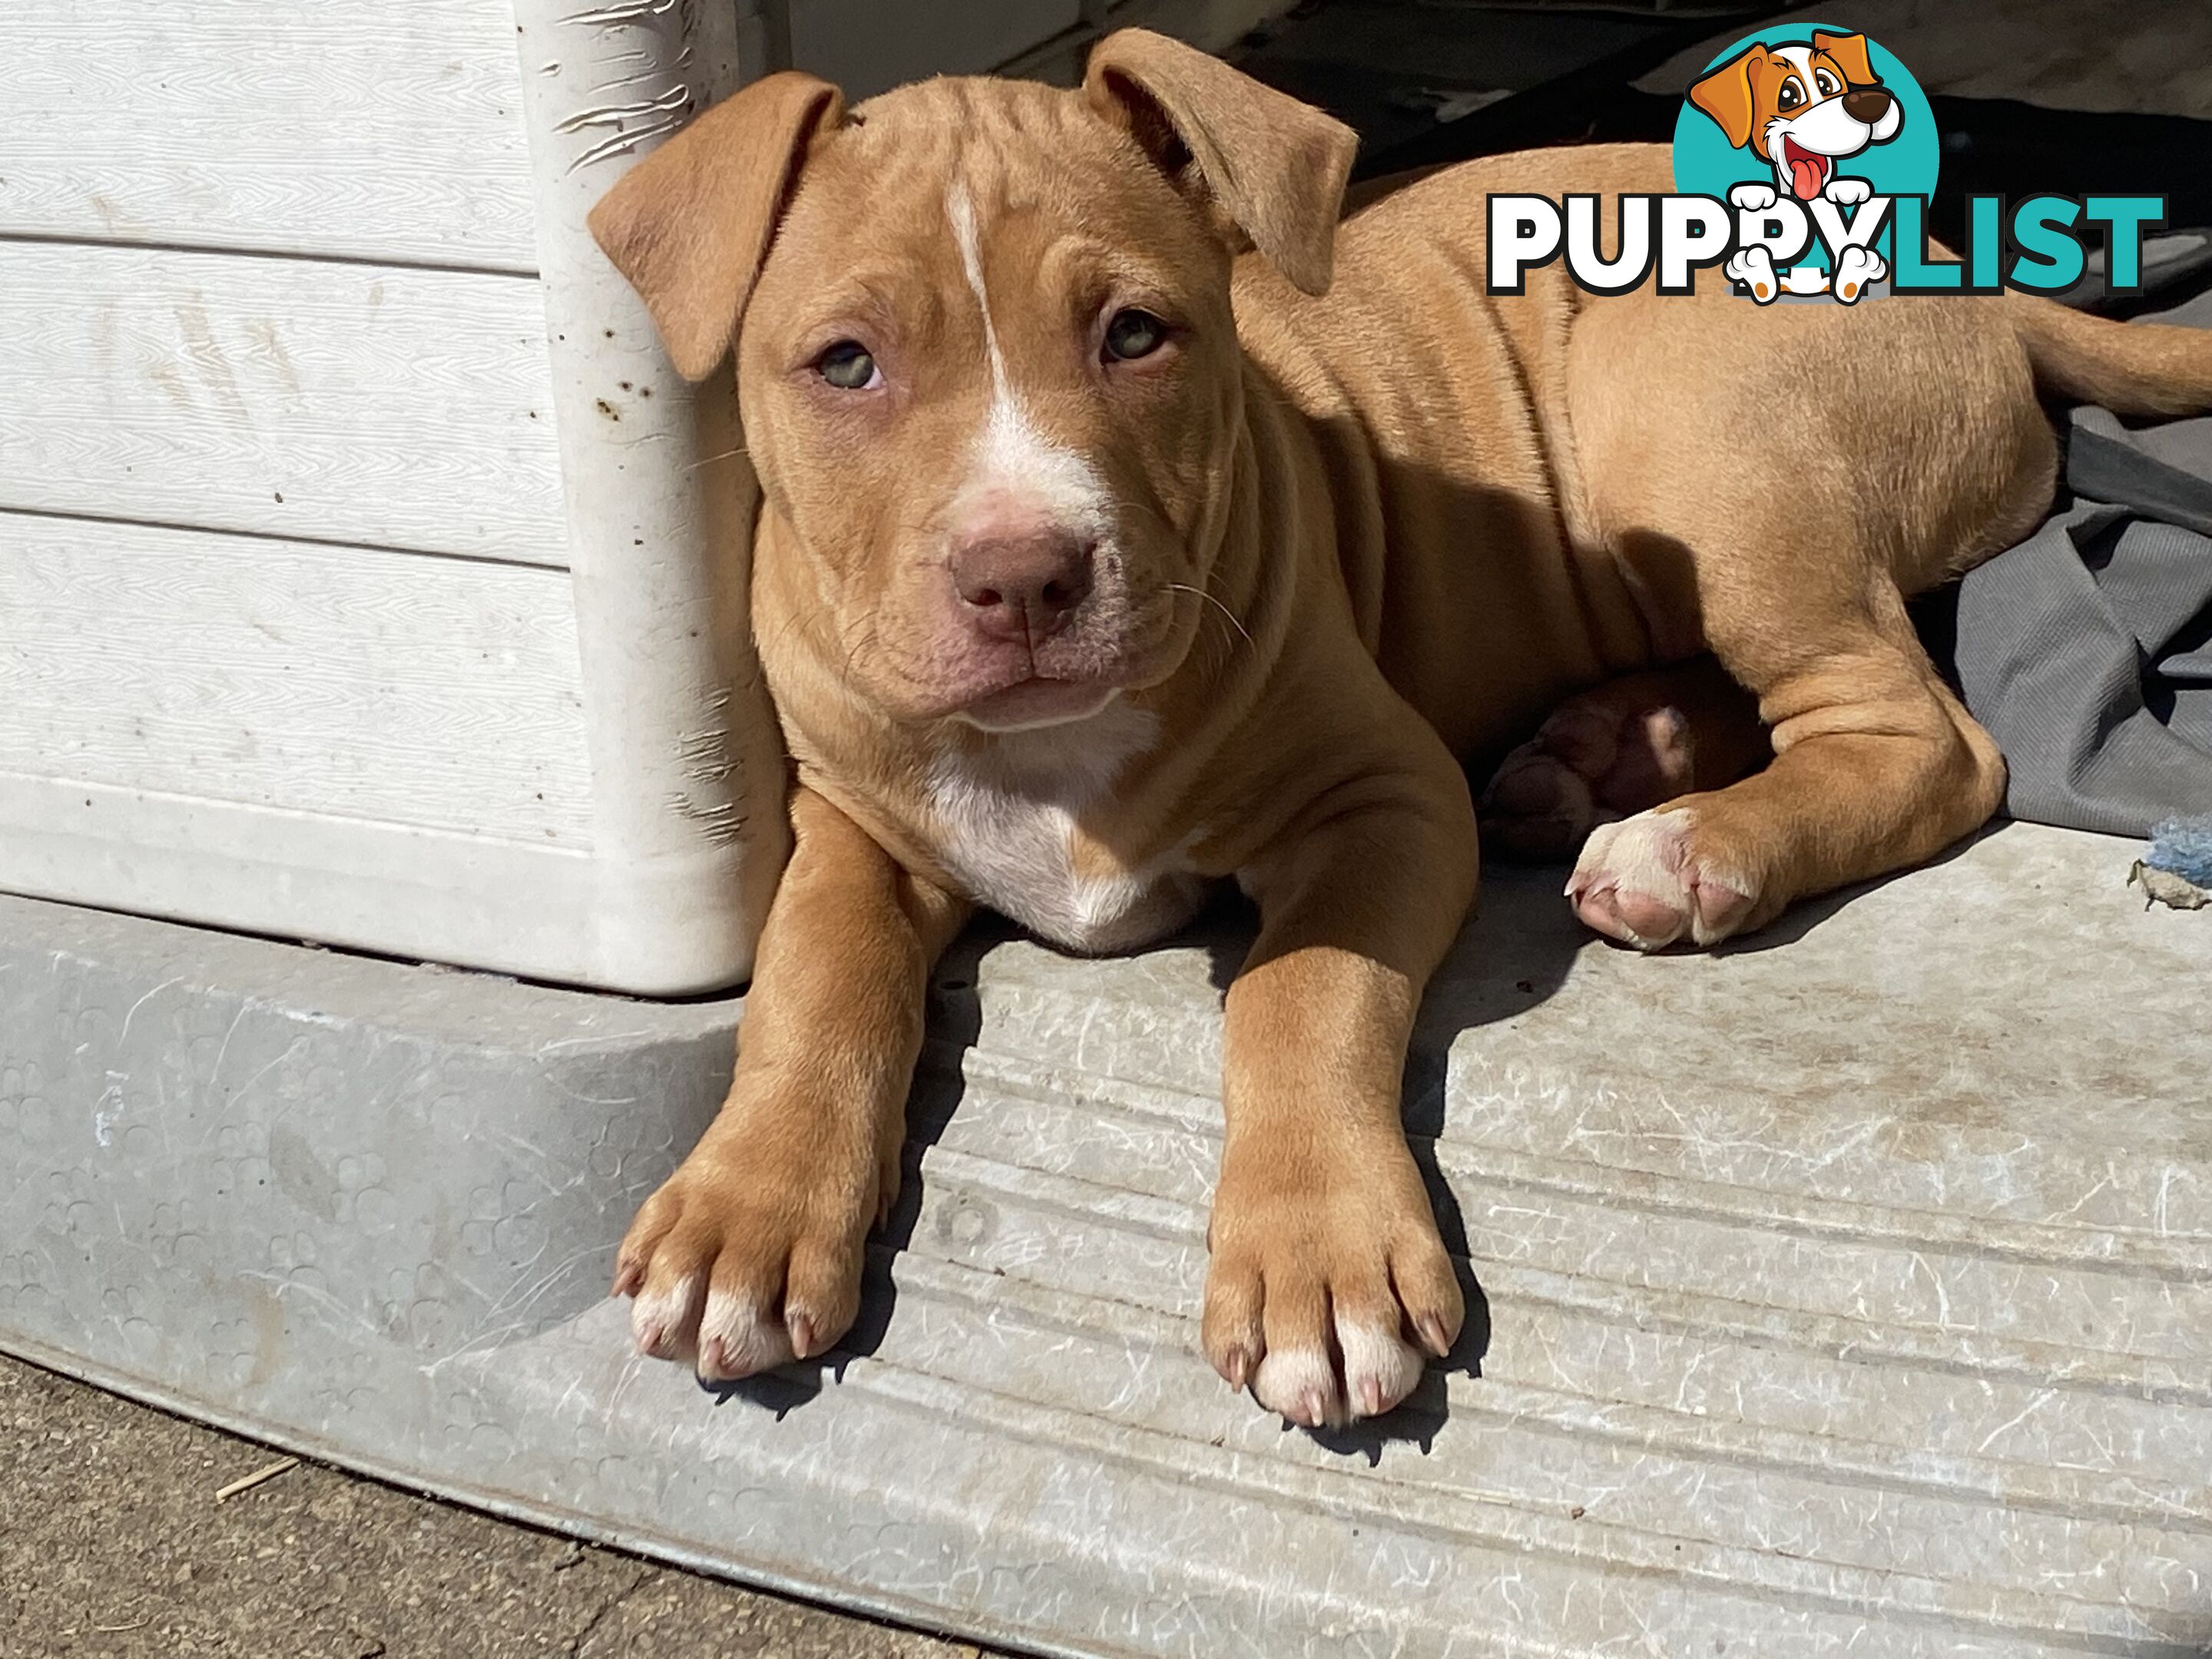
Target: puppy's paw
1643,881
1857,267
1537,806
1755,268
749,1256
1753,198
1589,763
1325,1288
1847,193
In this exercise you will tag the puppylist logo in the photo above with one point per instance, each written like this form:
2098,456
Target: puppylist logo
1805,159
1812,137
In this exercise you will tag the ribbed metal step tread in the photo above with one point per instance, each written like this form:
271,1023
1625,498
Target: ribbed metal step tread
1850,1292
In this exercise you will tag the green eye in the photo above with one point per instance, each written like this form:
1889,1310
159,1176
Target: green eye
848,366
1133,333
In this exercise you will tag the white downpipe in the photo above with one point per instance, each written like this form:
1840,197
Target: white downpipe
690,829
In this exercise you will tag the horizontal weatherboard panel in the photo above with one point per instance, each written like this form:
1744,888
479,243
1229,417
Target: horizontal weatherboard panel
390,407
391,888
345,682
372,132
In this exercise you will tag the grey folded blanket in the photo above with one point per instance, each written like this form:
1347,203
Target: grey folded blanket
2087,649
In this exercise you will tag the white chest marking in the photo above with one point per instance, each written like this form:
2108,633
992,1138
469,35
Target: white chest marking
1006,822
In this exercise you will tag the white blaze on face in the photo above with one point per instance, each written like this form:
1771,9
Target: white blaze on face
960,209
1014,468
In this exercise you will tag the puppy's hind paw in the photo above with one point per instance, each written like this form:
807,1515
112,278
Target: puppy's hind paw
1642,882
1589,763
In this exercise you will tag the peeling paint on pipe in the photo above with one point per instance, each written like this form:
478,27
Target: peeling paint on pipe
687,765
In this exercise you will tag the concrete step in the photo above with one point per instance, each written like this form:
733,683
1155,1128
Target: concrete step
1848,1289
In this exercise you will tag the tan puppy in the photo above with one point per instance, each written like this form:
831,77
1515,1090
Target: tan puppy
1095,564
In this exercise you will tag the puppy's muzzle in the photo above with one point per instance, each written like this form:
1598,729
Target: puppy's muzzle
1023,587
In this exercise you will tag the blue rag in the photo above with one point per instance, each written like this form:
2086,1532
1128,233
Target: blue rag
2183,847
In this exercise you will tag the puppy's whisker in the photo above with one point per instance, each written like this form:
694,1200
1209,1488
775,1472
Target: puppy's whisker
861,637
708,460
1185,588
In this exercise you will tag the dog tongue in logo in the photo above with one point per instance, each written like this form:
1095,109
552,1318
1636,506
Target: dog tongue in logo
1808,172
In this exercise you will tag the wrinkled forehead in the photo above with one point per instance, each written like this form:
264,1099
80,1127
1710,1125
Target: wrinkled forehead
925,181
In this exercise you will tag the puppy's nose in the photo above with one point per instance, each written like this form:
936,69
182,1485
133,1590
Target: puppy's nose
1021,586
1866,104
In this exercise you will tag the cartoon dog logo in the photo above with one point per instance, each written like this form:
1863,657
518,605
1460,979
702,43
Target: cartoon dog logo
1802,109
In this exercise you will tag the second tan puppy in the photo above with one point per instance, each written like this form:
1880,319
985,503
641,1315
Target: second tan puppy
1096,563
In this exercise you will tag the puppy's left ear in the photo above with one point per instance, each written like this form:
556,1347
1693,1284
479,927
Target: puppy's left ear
1274,166
1849,52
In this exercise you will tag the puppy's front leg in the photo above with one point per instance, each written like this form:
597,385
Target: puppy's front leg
750,1254
1327,1268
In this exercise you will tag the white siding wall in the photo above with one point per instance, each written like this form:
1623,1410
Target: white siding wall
314,619
357,128
286,626
294,676
389,406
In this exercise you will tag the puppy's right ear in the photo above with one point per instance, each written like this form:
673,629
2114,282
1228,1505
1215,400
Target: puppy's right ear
1725,95
689,226
1273,166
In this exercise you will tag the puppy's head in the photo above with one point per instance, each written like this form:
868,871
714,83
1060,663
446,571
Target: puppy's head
987,365
1801,107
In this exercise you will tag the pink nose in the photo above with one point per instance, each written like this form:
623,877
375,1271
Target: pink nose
1021,586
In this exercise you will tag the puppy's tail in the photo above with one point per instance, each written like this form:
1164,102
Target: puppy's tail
2132,368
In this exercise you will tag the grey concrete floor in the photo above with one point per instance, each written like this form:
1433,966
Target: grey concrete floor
112,1543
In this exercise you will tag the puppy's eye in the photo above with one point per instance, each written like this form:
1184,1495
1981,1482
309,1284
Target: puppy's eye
848,366
1133,333
1827,83
1791,94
